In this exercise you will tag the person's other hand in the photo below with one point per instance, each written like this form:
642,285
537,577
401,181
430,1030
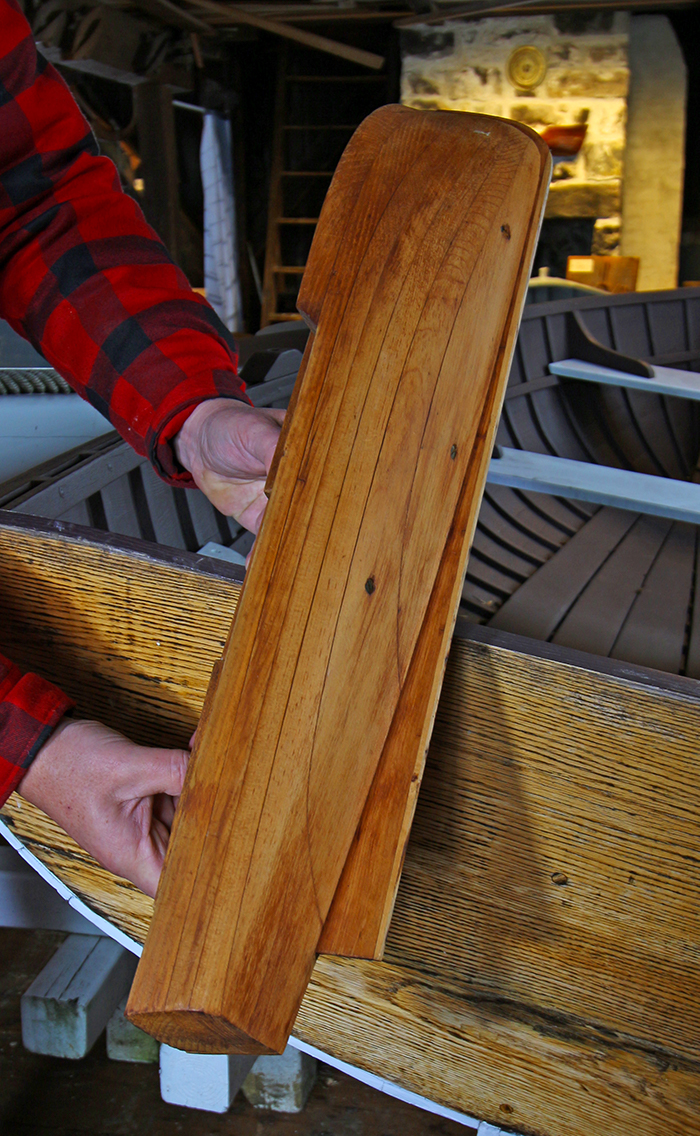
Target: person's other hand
115,798
228,446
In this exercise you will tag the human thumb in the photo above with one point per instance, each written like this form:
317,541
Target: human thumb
159,771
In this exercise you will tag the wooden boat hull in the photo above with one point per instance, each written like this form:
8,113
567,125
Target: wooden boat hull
541,967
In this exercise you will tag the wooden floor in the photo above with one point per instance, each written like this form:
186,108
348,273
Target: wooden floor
45,1095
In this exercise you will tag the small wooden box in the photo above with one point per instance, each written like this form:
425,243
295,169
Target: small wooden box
610,273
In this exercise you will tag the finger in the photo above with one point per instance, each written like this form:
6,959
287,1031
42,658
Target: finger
259,434
251,517
149,865
245,501
272,438
164,809
155,771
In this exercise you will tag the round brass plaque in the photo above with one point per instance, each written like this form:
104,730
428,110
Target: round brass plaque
527,68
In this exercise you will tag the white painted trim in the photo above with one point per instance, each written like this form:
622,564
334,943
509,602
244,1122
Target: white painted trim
371,1079
486,1129
387,1087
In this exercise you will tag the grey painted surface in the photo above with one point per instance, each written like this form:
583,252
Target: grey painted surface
583,481
667,380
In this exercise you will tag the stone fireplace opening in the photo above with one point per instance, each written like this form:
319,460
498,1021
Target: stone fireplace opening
621,79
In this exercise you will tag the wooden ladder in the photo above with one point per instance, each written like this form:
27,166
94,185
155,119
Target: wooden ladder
316,113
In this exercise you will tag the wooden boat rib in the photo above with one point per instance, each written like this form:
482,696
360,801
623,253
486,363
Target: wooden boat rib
541,966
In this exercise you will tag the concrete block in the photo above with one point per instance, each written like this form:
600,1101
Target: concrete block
126,1042
208,1081
281,1084
69,1004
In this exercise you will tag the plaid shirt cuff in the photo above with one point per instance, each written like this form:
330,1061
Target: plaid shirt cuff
174,412
85,278
30,709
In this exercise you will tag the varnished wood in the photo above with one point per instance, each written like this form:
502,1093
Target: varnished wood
349,602
573,1001
358,921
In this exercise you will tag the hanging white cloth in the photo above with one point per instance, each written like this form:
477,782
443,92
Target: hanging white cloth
221,279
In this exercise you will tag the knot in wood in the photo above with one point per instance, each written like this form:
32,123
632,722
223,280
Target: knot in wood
505,229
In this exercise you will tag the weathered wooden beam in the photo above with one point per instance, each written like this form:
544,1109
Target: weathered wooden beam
126,1042
233,14
207,1081
478,9
173,14
281,1084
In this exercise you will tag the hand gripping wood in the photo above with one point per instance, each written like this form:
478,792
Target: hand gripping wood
413,289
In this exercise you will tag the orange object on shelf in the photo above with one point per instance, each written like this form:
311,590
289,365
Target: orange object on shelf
611,273
564,141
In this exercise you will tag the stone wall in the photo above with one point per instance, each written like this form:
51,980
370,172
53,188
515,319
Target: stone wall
560,69
652,199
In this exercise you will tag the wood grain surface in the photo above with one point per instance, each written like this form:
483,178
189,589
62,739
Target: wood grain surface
541,969
410,285
358,921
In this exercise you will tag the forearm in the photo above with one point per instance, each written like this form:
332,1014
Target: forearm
85,278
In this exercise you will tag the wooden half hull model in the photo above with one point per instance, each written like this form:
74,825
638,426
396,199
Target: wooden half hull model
413,290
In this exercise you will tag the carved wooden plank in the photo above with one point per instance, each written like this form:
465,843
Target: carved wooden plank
358,921
545,763
359,559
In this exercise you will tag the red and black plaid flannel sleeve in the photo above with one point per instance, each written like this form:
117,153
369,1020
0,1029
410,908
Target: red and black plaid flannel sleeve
84,278
30,708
